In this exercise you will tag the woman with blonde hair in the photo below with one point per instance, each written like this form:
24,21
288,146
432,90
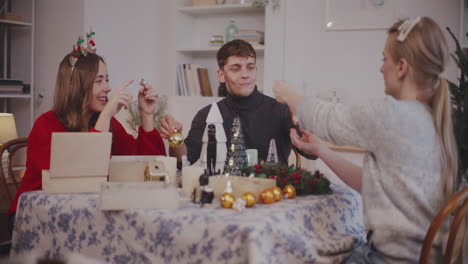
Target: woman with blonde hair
411,160
81,104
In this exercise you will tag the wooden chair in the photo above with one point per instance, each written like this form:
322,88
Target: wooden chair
458,204
297,158
12,147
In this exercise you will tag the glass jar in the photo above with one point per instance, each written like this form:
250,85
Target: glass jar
231,30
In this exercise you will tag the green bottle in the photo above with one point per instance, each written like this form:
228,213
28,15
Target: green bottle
231,30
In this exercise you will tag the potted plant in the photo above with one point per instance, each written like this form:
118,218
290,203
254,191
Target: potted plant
460,111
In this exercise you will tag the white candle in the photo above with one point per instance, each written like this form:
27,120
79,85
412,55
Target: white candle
252,156
190,176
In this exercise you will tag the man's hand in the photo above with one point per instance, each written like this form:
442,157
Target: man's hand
168,125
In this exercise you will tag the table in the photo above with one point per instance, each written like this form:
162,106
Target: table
307,229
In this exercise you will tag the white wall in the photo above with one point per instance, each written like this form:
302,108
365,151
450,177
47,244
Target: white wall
348,62
136,37
57,26
130,35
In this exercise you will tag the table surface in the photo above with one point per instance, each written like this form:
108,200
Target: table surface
307,229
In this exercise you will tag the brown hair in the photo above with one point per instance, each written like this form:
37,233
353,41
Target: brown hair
73,91
425,50
235,47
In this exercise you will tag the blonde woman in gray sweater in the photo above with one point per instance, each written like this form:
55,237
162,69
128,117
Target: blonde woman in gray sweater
411,162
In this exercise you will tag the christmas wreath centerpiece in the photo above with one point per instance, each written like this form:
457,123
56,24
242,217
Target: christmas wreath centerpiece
303,180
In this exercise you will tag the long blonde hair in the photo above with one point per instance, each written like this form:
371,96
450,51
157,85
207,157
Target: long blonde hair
73,91
425,50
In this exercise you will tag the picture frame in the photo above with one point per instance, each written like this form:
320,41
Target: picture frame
360,14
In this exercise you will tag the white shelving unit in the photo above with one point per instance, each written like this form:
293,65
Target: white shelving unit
17,63
463,38
195,25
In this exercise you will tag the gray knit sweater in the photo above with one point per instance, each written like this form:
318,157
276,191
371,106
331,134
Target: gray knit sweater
401,189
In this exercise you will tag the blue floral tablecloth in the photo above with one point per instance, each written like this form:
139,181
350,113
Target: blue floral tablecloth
308,229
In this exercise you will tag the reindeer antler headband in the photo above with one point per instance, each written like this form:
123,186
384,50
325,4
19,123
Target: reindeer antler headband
79,51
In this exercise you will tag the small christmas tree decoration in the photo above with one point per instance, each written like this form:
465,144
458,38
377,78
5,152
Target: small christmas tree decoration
236,160
289,191
214,150
272,157
176,139
250,199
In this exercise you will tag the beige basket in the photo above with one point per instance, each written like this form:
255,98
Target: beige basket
240,185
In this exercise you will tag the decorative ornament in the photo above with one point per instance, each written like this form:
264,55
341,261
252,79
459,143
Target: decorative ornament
277,192
228,188
289,191
239,204
176,139
91,44
236,160
143,83
304,181
214,148
207,195
267,197
227,200
272,157
250,199
79,51
156,171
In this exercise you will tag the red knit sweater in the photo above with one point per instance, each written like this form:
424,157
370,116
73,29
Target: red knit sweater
39,144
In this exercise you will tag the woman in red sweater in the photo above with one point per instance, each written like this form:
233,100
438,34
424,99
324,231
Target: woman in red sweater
81,103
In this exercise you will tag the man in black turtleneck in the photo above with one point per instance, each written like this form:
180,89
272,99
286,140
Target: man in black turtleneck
262,117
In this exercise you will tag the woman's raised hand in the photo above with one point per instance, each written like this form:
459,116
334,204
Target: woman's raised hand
147,100
119,98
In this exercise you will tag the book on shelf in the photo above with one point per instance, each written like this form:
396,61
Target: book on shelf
13,86
193,80
205,85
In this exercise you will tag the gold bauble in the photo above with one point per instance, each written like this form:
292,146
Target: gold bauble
176,139
227,200
289,191
267,197
250,199
277,193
